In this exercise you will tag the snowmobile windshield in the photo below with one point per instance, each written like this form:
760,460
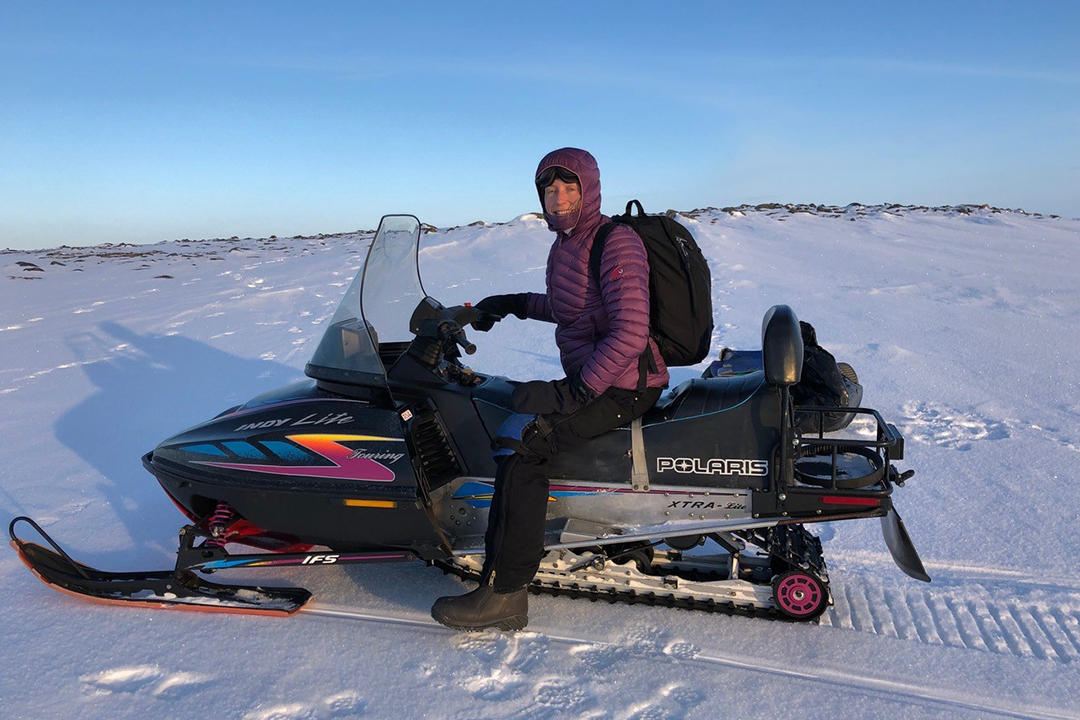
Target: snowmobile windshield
376,308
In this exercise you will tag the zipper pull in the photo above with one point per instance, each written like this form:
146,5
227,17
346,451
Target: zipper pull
682,248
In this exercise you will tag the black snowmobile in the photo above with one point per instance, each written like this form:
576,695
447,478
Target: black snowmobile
385,455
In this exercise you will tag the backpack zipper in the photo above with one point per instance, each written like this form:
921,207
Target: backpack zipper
686,270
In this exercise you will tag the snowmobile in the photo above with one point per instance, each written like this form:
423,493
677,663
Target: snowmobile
384,454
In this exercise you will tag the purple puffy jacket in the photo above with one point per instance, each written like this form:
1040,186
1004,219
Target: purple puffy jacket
601,330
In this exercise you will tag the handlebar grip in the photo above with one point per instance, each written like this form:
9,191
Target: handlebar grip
459,338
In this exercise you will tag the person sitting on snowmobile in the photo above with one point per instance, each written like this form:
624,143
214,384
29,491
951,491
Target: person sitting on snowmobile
614,373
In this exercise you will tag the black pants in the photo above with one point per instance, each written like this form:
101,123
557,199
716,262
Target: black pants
514,542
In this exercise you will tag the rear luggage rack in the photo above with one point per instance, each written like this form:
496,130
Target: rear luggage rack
848,463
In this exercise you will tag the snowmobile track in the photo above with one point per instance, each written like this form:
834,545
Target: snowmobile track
893,689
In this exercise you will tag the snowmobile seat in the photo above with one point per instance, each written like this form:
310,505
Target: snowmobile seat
692,398
704,396
782,360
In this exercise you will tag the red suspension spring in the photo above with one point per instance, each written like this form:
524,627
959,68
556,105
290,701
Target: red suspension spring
218,524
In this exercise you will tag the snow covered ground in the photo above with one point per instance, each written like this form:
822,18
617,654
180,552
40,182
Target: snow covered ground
962,323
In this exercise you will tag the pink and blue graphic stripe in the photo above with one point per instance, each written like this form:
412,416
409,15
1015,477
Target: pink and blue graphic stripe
343,466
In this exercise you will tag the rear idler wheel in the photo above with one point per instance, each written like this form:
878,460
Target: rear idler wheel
800,595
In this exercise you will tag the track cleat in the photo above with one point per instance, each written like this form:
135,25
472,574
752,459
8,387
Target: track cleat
484,608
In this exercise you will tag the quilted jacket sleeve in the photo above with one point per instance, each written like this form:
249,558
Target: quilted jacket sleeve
537,307
624,287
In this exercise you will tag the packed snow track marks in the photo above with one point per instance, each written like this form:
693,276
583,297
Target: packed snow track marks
506,666
556,696
953,429
141,679
500,685
671,703
152,680
505,670
1055,434
1031,623
339,705
67,510
493,651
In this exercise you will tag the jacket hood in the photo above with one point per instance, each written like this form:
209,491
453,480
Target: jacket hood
582,164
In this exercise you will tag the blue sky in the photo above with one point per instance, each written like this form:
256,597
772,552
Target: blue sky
139,122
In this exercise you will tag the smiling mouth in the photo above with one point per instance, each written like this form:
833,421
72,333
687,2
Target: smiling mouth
565,212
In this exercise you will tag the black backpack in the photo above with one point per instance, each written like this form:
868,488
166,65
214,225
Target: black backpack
680,286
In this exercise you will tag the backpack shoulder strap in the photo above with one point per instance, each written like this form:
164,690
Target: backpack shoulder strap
646,361
596,253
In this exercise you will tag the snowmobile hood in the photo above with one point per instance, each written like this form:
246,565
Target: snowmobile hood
582,164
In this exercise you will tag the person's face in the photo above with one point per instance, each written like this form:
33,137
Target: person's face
562,198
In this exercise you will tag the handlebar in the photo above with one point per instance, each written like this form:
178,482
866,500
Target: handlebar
463,342
444,324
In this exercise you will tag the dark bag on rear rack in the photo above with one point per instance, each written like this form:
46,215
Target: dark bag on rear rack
680,286
825,382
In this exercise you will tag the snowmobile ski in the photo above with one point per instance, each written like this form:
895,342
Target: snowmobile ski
182,587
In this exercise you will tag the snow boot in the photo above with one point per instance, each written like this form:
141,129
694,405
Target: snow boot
484,608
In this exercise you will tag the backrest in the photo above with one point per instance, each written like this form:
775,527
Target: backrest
781,346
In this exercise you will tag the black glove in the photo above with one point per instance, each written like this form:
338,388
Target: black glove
557,396
498,307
